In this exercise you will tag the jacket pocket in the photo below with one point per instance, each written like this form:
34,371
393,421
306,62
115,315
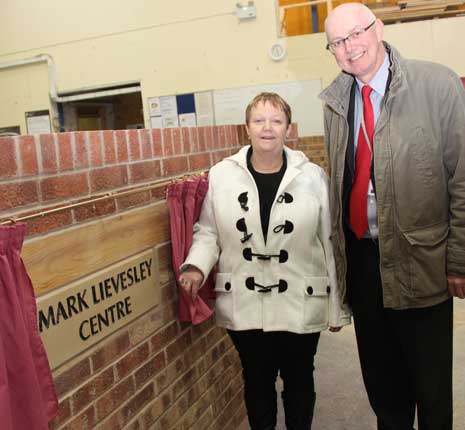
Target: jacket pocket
316,301
427,248
224,304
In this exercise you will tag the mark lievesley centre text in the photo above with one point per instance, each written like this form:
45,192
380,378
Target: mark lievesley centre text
99,292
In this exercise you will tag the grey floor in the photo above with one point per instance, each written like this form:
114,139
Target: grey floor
342,403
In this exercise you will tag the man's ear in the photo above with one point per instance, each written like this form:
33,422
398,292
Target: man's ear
379,30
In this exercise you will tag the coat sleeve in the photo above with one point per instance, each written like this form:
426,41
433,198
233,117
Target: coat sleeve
205,248
453,135
339,313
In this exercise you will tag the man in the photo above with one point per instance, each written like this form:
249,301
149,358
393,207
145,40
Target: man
395,132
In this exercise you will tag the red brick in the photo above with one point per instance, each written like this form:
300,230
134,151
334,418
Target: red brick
234,136
215,141
121,146
194,139
158,193
177,142
64,413
168,149
109,147
48,152
157,144
8,162
144,171
80,149
95,146
169,419
164,336
202,143
222,136
65,151
179,346
134,144
154,411
84,421
113,422
132,360
142,398
145,143
174,166
93,389
114,398
60,187
199,161
49,223
110,351
108,177
98,209
170,373
217,156
15,194
28,155
209,138
133,200
73,377
150,369
186,139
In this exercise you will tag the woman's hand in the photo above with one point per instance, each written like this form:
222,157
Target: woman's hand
190,281
334,329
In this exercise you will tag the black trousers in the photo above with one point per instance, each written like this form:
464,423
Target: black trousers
263,355
405,355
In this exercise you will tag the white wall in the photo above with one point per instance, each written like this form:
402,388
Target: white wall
174,47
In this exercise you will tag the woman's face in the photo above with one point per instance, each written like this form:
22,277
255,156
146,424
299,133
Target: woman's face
267,128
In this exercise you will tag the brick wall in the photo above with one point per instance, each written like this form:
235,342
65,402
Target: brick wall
314,148
156,373
46,171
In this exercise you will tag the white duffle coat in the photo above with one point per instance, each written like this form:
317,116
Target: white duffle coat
287,284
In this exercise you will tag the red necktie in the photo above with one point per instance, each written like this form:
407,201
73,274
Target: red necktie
358,196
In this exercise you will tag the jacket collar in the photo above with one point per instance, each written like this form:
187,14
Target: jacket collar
295,161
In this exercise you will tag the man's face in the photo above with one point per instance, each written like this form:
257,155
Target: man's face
361,55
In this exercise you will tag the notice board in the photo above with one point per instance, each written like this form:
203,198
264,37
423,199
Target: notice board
302,96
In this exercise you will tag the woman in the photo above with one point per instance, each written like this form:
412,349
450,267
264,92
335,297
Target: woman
265,220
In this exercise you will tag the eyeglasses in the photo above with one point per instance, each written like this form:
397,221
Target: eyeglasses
338,44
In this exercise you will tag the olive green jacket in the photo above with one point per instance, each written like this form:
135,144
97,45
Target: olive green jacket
419,171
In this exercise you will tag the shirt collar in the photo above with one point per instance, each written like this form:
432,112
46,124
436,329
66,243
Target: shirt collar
378,83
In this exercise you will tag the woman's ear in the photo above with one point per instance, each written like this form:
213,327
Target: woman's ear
288,131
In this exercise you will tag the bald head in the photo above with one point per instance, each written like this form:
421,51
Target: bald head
355,38
347,12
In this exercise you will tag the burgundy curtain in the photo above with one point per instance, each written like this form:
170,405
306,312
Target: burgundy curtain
27,393
185,202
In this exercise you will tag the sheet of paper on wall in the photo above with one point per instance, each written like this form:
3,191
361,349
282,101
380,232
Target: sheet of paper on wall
204,108
187,120
154,106
155,122
169,111
170,121
38,122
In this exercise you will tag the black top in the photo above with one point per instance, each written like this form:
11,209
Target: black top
267,185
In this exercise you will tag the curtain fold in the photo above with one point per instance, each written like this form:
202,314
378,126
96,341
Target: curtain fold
185,202
27,392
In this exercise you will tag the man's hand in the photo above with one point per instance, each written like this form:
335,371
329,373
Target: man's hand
190,281
456,285
334,329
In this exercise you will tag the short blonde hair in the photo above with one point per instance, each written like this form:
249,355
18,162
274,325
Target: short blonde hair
275,99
